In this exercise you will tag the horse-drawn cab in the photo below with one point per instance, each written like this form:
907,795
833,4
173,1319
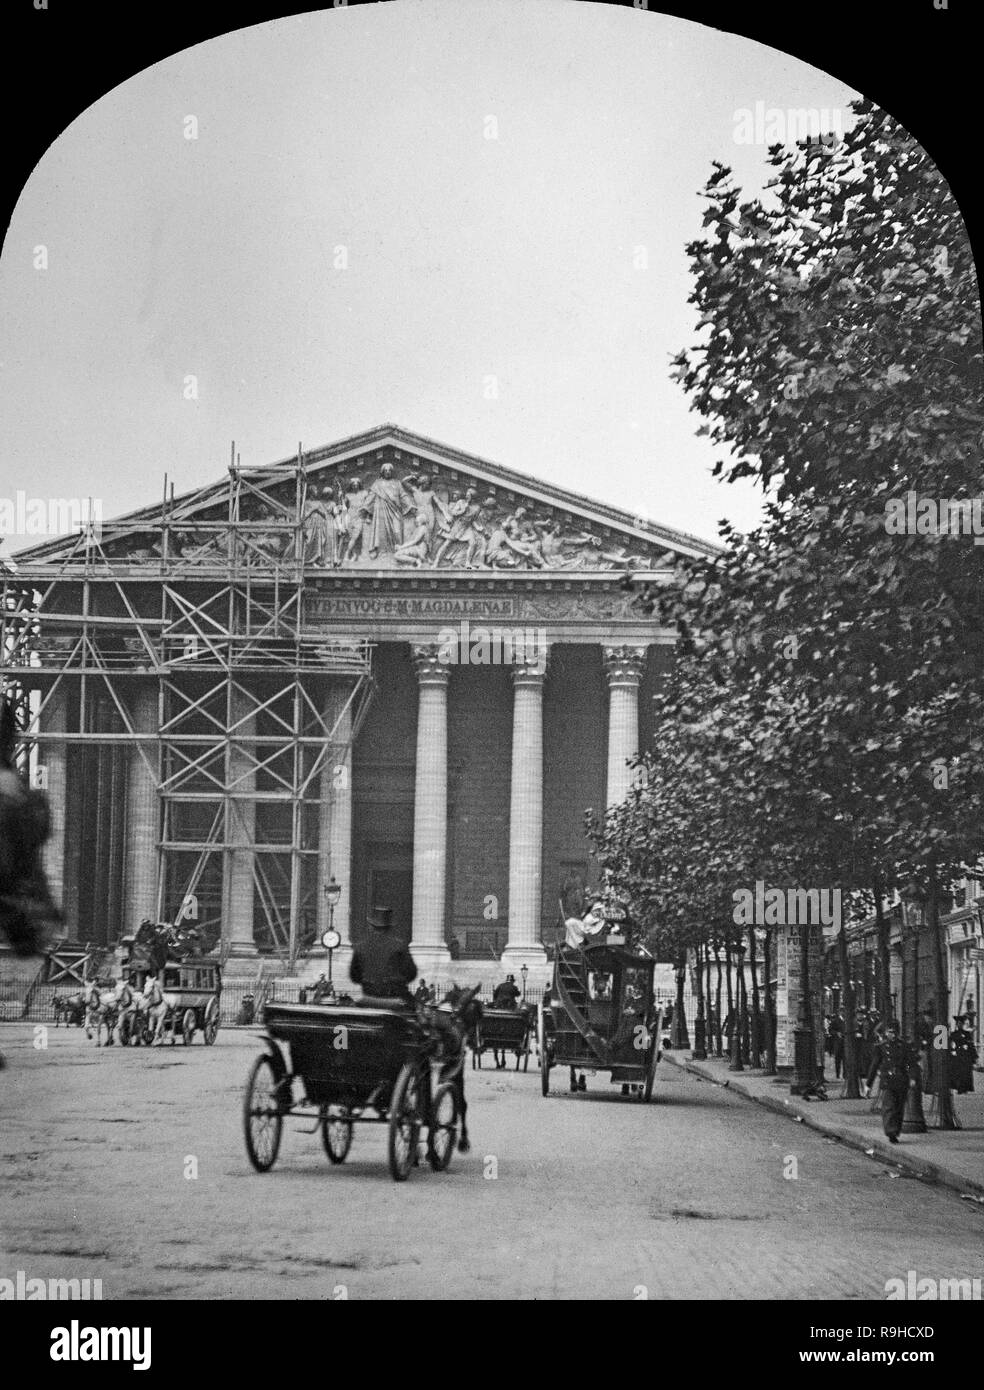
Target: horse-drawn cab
373,1062
600,1015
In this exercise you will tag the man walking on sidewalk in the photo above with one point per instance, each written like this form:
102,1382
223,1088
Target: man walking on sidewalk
894,1060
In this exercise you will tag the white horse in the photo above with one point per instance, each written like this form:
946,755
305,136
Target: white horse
103,1006
159,1007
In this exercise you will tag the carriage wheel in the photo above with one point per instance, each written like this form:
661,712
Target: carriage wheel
188,1026
262,1118
442,1136
336,1131
211,1029
405,1122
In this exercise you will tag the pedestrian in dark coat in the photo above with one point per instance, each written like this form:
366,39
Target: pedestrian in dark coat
896,1063
381,963
836,1036
963,1055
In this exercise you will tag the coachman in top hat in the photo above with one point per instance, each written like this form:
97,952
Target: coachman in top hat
381,963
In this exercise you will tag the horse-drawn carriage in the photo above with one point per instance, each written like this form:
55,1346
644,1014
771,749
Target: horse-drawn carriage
190,990
600,1016
190,987
502,1031
365,1063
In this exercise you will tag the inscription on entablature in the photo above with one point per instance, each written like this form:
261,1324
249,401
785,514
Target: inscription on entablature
327,606
526,607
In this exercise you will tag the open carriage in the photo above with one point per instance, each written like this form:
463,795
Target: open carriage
600,1016
342,1065
505,1030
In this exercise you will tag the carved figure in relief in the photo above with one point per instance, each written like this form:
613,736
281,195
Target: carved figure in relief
387,508
357,519
426,503
415,550
523,538
324,528
462,528
498,550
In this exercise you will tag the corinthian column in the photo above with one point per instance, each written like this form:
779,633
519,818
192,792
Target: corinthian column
142,813
430,810
526,819
624,667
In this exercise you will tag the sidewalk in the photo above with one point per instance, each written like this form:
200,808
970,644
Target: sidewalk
953,1158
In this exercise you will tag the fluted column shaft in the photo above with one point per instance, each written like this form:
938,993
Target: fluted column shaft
54,759
526,818
143,810
624,667
430,809
238,889
335,818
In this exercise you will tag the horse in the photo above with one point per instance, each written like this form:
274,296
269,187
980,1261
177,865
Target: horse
105,1006
458,1030
71,1007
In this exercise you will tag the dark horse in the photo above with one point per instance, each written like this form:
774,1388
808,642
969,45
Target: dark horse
458,1030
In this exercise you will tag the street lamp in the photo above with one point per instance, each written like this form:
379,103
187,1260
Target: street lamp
524,972
679,1037
331,939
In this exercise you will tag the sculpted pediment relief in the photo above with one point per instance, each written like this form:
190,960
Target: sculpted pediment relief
386,508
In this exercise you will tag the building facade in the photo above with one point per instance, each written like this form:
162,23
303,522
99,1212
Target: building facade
384,663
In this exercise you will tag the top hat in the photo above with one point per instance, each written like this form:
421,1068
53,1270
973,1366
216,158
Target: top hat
381,918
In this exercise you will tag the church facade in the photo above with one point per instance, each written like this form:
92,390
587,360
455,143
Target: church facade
383,666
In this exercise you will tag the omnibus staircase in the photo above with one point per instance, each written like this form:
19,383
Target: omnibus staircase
573,992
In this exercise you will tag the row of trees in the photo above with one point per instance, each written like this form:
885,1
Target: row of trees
822,725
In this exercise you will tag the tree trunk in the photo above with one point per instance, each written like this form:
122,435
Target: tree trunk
884,949
946,1119
708,1002
852,1091
746,1041
737,1060
699,1051
770,1022
718,1020
756,1054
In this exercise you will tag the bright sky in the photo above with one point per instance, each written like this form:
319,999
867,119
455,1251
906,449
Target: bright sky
468,257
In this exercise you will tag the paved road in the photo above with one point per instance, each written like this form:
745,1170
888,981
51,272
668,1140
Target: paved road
587,1196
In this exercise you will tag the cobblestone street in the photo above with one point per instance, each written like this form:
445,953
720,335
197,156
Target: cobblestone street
587,1196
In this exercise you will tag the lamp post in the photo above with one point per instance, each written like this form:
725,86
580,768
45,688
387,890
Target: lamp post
524,971
331,939
679,1037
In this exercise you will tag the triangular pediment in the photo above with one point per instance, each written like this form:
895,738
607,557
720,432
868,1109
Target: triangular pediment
387,500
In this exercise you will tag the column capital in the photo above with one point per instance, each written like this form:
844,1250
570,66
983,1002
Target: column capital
430,669
624,665
529,673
